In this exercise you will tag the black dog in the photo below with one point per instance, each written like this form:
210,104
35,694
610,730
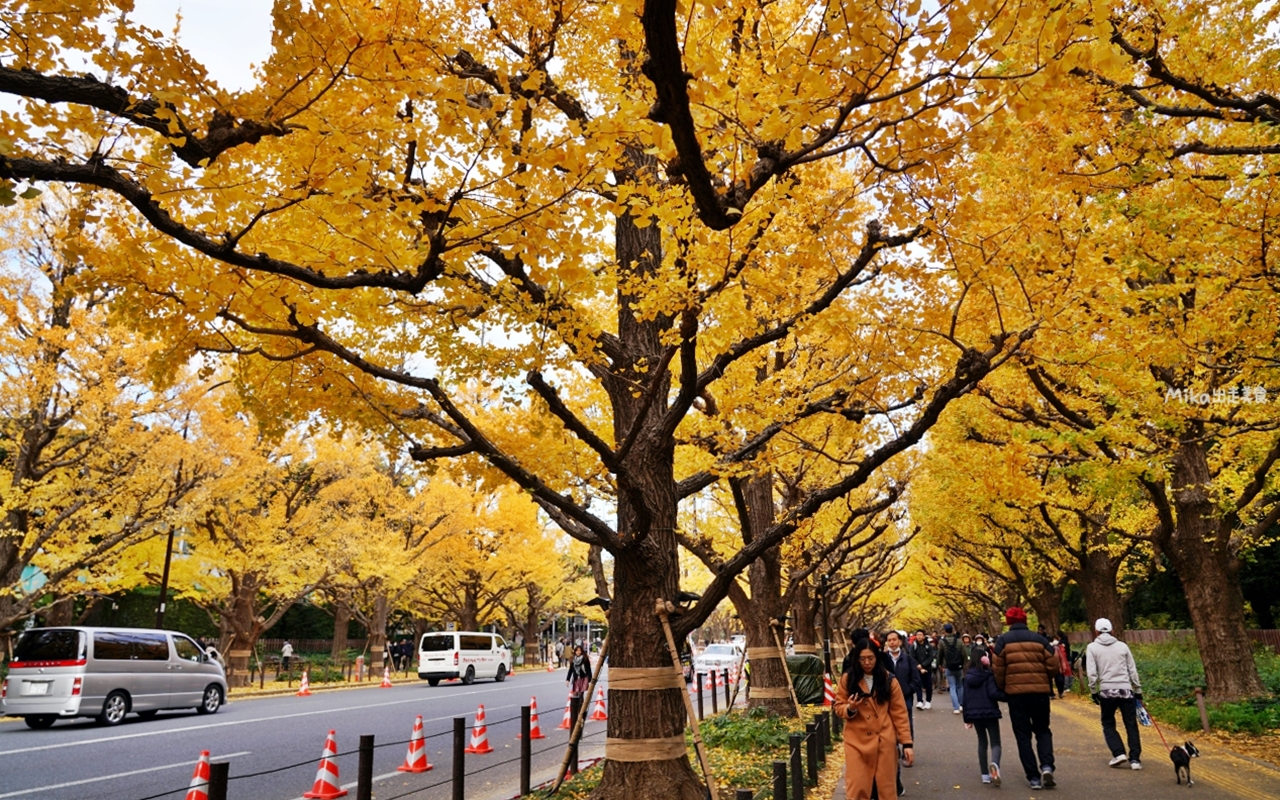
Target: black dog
1181,757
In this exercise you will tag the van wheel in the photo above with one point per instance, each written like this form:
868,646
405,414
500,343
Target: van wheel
502,673
433,681
40,721
114,709
470,677
211,700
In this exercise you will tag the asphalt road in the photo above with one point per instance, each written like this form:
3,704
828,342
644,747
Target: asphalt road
143,758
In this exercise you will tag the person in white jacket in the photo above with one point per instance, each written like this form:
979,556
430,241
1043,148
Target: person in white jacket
1113,683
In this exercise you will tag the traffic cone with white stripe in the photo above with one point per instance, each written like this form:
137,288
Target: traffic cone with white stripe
416,759
828,691
567,722
326,786
479,735
304,689
200,779
386,678
535,729
597,713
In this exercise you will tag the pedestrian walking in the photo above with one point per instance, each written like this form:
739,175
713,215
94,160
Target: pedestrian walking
1113,684
286,655
874,711
579,673
951,654
982,713
902,666
1063,648
926,656
1024,666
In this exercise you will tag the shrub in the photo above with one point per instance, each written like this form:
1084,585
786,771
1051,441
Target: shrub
1171,672
754,730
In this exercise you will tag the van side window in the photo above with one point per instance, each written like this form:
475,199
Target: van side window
112,646
150,647
499,642
477,642
437,643
187,649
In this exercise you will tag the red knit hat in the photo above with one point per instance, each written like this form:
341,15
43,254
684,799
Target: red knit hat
1014,614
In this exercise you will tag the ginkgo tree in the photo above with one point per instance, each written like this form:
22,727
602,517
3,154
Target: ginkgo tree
94,461
608,213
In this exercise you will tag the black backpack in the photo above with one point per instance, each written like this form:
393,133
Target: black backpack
952,652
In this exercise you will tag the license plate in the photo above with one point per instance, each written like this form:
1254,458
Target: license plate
36,687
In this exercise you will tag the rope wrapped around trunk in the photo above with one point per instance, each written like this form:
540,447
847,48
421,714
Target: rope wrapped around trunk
644,679
768,693
806,649
762,653
664,749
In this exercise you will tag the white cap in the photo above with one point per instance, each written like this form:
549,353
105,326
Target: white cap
1103,625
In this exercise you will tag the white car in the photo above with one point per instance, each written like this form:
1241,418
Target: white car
717,657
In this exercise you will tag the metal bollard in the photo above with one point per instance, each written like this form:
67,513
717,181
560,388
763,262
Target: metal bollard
526,750
742,794
727,696
811,751
459,757
779,780
820,750
364,773
715,703
697,678
796,742
219,771
575,709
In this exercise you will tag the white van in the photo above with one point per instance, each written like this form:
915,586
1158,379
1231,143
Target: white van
58,673
450,655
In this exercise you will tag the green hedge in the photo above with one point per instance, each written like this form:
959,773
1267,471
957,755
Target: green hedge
1171,672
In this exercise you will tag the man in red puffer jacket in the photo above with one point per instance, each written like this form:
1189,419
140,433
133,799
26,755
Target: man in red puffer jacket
1025,664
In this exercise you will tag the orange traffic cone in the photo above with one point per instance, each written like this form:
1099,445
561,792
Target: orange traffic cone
304,690
416,759
597,713
326,785
535,730
828,692
386,678
567,722
200,779
479,735
549,667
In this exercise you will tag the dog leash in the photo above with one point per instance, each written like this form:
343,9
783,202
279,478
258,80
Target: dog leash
1157,727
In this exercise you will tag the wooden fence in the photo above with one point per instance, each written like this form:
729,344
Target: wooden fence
1270,638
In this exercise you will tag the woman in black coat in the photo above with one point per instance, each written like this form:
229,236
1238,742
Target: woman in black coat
982,712
579,675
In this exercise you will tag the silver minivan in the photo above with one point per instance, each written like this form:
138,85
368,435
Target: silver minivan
106,673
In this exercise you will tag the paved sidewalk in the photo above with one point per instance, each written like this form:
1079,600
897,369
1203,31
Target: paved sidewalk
947,764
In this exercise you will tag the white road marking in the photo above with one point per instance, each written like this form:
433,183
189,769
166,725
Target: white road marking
117,775
167,731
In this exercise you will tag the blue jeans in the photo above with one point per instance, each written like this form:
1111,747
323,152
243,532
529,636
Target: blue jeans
955,686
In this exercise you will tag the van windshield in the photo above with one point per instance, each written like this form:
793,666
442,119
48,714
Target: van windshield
48,645
435,644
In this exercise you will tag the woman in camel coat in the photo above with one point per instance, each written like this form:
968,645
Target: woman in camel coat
870,702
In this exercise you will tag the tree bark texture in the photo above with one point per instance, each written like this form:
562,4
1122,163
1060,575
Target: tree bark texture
1202,555
341,624
1097,582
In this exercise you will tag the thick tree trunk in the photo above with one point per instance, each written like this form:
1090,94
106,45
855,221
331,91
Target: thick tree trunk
646,564
341,624
1097,582
1200,551
804,623
378,631
1046,601
239,630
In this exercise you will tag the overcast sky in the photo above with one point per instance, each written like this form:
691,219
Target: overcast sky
228,36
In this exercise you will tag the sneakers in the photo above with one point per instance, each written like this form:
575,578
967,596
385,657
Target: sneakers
1135,765
1036,786
1046,777
927,705
1118,761
920,704
995,773
955,711
986,779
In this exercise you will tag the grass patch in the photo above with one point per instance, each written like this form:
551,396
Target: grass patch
741,746
1170,673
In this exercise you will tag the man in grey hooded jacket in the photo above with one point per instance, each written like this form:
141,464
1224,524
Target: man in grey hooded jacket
1113,683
